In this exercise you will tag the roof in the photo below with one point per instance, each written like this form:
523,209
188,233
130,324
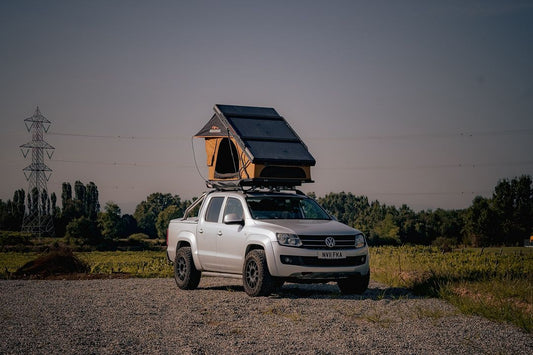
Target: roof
262,133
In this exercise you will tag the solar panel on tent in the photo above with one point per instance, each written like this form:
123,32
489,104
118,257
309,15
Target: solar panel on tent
263,139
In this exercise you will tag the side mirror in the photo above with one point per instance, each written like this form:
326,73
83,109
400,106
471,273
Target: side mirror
233,218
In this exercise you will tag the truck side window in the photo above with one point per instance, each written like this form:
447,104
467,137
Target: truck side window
213,210
233,205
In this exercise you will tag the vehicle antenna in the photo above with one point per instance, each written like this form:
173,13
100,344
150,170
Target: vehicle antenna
196,163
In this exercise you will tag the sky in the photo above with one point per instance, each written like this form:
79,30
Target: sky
424,103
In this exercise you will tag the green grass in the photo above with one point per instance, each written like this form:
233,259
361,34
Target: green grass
508,301
134,263
131,263
11,261
496,283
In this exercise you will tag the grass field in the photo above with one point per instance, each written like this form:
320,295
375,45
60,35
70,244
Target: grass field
132,263
496,283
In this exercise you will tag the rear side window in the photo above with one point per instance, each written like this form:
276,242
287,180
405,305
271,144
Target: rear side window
213,210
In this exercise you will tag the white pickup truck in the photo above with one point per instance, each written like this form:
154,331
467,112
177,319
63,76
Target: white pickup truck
267,238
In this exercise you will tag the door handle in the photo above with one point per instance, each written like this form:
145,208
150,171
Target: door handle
201,231
219,233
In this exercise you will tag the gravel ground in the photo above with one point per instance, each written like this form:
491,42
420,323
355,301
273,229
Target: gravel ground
152,316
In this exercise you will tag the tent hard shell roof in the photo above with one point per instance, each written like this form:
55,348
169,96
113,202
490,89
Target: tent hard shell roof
254,146
261,133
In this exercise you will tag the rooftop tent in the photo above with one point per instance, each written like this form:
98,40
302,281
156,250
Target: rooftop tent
254,146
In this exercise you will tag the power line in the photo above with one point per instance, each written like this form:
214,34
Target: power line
123,164
117,137
370,193
464,134
429,166
318,167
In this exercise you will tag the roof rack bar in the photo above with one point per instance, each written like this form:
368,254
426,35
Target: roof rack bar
245,185
255,182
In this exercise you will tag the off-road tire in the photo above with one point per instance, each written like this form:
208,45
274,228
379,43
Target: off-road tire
185,273
256,278
354,285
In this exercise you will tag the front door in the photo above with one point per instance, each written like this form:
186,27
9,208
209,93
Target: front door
231,240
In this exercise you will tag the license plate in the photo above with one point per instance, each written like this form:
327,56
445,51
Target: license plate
331,255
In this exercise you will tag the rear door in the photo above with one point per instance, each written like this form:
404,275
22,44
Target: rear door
207,233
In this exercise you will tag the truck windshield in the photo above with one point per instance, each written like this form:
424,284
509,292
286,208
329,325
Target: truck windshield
285,207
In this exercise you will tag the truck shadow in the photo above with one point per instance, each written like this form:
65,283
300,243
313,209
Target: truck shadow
322,291
375,292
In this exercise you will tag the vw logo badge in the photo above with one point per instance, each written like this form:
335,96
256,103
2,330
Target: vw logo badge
330,242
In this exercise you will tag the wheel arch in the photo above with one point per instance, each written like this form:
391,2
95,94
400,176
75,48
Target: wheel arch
262,242
182,243
188,239
254,246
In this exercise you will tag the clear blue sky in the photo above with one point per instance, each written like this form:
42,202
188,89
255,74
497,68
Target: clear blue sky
427,103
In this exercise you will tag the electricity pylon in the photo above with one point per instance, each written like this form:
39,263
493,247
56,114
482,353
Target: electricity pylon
37,217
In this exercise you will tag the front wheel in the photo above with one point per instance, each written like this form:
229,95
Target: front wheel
354,285
257,280
185,273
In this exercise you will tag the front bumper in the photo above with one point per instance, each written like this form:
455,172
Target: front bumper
300,263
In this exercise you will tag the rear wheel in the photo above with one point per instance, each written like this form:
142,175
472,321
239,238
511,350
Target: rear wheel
256,278
185,273
354,285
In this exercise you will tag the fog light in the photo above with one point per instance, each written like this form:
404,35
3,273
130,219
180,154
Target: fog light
288,259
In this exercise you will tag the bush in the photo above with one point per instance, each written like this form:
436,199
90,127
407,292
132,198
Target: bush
8,238
137,238
445,244
376,240
83,231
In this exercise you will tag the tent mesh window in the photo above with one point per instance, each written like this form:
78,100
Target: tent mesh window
227,165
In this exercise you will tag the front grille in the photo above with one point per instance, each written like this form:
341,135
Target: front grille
319,241
314,261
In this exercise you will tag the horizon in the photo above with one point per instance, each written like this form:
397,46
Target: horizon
416,103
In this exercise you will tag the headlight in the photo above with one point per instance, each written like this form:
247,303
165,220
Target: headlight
289,240
360,241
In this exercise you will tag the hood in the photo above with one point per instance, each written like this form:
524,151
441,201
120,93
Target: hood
306,227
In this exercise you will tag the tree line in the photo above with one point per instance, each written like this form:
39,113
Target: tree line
80,220
504,219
